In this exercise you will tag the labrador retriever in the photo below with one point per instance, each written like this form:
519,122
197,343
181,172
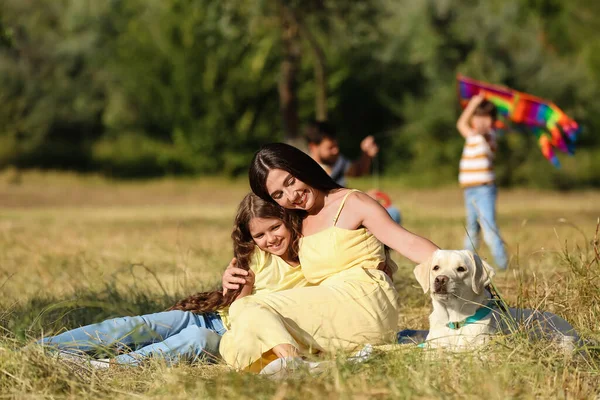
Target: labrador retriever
465,314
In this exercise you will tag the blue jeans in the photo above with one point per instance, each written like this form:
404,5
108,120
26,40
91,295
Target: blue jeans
480,202
172,335
395,214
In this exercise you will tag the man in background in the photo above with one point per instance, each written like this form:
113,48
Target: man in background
323,148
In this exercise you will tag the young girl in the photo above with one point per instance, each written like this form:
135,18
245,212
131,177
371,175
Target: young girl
265,240
344,232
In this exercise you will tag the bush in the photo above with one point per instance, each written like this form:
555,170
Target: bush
133,155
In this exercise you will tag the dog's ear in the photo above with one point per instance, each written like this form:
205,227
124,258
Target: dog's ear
421,272
482,272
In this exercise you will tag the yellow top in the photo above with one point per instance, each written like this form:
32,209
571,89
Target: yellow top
353,304
272,274
334,249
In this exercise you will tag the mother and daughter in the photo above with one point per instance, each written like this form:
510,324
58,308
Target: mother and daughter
312,255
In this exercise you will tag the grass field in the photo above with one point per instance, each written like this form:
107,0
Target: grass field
76,250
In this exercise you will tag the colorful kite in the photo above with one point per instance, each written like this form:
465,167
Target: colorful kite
552,127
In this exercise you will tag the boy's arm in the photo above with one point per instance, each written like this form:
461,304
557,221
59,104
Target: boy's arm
463,121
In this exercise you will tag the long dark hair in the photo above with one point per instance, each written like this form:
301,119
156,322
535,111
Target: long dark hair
251,207
290,159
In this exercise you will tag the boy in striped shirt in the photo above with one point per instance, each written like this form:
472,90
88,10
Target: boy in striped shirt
476,176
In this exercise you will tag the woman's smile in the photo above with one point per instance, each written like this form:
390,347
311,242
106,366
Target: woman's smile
288,191
301,201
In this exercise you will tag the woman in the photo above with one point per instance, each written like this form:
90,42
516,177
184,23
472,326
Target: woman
265,240
344,233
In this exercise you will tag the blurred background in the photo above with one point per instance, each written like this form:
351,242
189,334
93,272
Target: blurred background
149,88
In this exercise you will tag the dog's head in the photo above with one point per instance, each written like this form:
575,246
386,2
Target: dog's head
454,272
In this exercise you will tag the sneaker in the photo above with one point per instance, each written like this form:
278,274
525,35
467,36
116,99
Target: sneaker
100,363
71,357
363,355
282,368
82,360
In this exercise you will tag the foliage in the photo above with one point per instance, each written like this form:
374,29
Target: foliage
145,88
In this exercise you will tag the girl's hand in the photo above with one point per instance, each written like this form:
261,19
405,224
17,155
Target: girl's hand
389,267
233,277
387,270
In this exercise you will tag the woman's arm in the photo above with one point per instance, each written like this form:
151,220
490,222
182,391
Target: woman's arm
248,287
233,277
376,219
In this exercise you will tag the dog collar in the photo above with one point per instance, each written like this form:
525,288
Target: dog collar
478,316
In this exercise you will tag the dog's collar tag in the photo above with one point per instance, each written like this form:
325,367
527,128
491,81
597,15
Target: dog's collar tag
478,316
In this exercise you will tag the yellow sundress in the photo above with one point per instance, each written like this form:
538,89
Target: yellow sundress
271,274
353,304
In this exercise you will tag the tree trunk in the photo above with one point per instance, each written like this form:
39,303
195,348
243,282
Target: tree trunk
320,68
288,99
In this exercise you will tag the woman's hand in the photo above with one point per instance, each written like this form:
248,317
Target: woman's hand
247,288
233,277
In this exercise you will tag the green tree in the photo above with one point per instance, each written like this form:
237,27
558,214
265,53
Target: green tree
146,87
50,93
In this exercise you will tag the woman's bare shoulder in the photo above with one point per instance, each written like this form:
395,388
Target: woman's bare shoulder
361,201
358,196
335,196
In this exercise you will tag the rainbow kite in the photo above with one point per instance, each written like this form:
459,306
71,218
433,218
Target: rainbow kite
552,127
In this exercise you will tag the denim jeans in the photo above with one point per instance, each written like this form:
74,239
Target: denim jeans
480,203
395,214
172,335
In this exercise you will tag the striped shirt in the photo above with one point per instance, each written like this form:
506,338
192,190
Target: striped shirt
477,161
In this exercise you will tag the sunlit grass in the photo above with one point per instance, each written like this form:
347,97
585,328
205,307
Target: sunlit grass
76,250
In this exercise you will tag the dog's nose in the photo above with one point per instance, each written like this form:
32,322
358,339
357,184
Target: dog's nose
440,282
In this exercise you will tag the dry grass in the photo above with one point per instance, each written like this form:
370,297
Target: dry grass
76,250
